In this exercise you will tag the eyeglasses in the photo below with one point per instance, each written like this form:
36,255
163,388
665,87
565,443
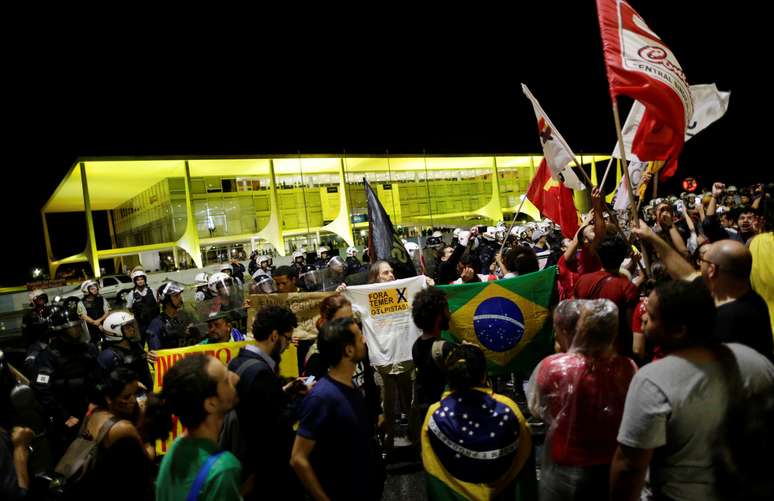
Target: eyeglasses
709,262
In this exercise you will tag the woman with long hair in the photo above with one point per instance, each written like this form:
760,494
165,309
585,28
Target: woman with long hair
124,469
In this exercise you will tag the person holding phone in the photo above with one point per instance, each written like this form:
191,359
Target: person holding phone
266,408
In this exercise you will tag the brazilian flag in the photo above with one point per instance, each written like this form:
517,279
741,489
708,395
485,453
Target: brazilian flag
508,319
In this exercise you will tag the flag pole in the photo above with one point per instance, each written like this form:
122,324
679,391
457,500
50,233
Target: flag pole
607,170
513,221
634,220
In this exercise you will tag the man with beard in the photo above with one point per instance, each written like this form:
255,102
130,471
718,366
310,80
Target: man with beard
333,454
265,423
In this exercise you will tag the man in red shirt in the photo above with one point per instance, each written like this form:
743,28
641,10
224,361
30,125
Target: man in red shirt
608,283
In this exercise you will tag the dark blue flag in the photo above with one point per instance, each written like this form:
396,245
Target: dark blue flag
383,242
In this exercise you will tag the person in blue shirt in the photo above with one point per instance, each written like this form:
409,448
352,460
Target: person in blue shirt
333,454
220,330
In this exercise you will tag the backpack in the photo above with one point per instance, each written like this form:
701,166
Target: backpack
80,458
231,438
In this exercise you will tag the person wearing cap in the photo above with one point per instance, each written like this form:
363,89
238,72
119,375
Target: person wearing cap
142,302
93,309
220,330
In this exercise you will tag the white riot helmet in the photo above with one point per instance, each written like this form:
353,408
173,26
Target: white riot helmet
226,268
298,254
322,249
351,251
437,234
223,280
89,283
201,278
263,259
456,232
500,234
120,325
169,289
490,233
412,249
337,264
138,273
264,284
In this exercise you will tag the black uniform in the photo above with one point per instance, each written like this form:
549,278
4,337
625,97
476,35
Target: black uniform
34,325
144,308
95,308
61,374
167,332
252,267
354,265
133,358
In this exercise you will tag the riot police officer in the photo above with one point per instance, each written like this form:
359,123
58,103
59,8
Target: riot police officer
265,265
34,322
122,348
252,266
93,309
353,263
168,330
141,301
324,254
61,369
228,297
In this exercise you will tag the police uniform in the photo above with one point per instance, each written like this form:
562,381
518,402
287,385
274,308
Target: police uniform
144,307
95,307
60,374
165,332
133,358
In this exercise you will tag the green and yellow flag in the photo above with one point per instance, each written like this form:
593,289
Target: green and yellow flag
507,318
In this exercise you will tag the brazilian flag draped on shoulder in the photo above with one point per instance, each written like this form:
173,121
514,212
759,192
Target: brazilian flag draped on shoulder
508,319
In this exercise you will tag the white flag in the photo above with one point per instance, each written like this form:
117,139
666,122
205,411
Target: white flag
636,169
709,104
556,151
385,310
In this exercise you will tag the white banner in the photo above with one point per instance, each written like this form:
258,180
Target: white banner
385,310
709,104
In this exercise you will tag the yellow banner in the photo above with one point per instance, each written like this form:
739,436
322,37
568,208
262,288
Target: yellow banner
224,352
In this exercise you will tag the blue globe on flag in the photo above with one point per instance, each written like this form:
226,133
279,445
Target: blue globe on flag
498,323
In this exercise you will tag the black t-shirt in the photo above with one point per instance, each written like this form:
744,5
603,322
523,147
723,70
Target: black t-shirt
746,321
430,381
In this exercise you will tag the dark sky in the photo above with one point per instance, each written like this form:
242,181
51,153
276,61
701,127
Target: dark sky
445,82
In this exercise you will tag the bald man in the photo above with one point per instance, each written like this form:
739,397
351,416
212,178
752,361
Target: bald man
742,315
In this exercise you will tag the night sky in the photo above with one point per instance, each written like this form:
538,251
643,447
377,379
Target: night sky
397,82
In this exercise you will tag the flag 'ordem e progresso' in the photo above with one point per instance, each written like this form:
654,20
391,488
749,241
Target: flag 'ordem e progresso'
507,318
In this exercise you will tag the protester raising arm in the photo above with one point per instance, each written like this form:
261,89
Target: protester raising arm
676,265
717,191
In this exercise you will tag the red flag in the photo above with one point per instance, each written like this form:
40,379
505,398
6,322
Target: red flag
640,66
554,200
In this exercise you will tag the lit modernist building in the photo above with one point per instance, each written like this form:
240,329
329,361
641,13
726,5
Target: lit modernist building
194,211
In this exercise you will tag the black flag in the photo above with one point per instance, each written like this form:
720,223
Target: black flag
383,242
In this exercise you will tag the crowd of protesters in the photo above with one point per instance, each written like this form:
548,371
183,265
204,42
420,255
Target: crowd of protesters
661,384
